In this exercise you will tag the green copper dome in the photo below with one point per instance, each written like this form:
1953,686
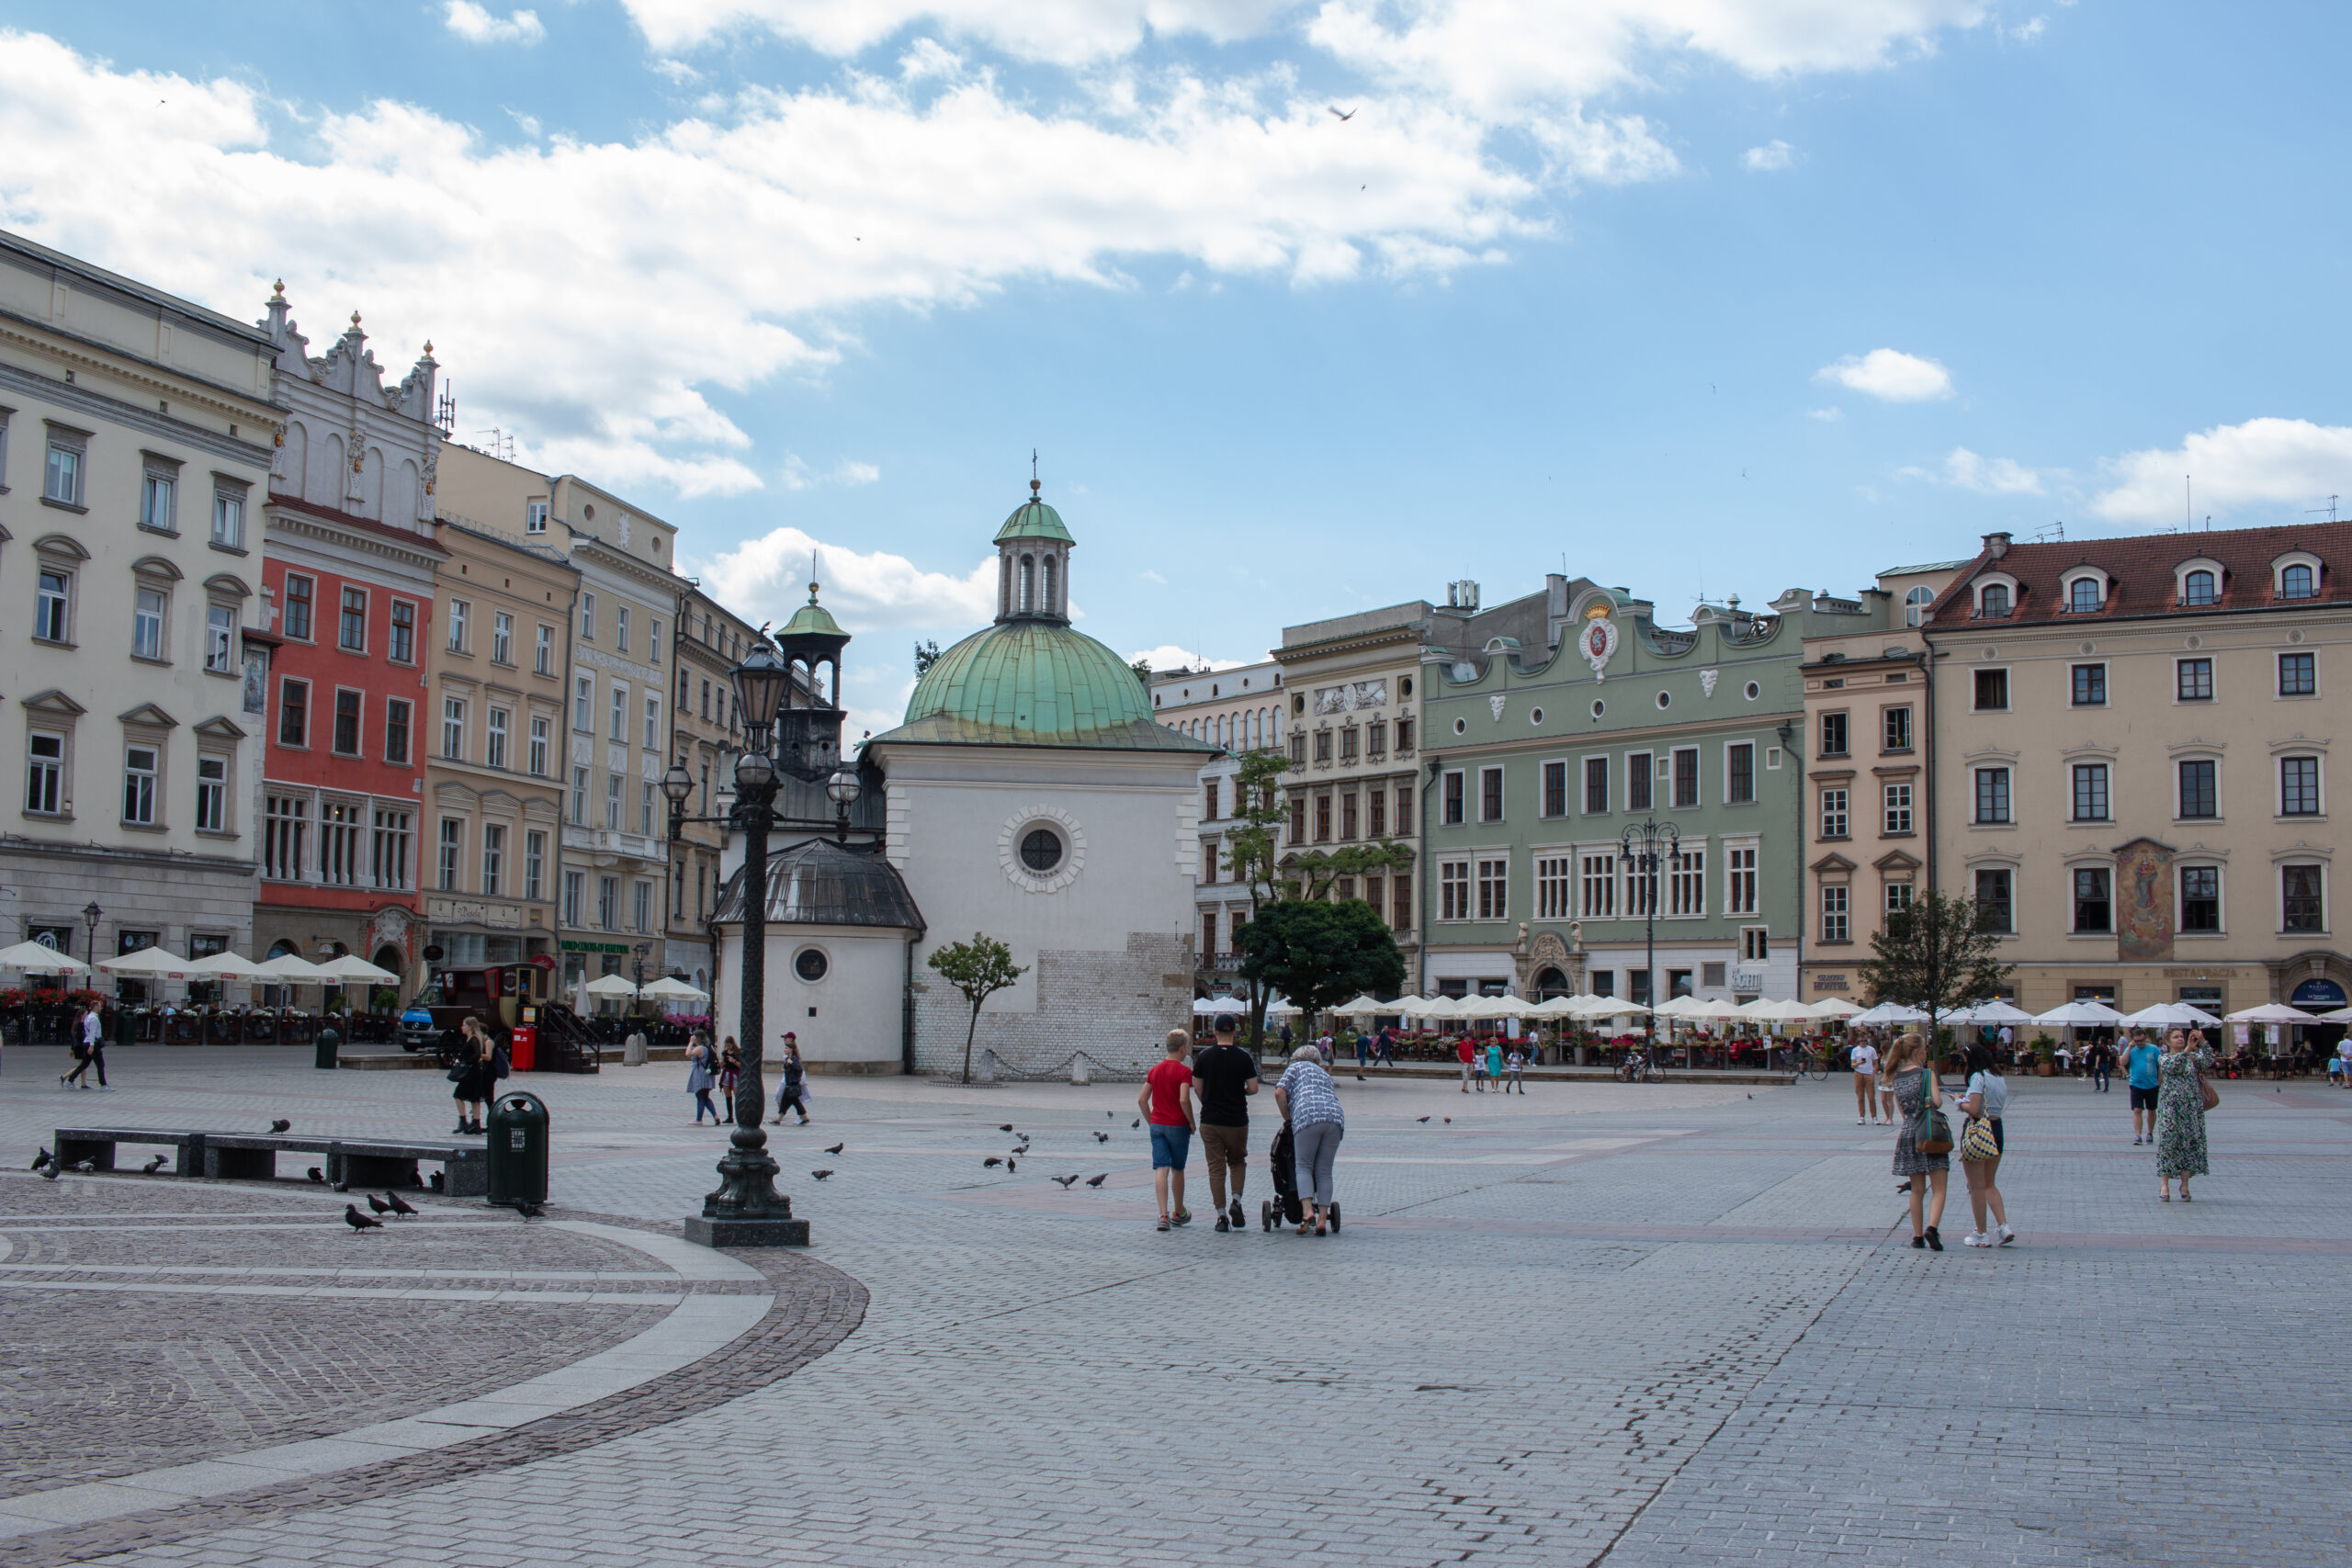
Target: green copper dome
812,620
1032,682
1033,519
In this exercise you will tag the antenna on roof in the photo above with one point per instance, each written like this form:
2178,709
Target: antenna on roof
2187,502
501,444
2331,509
445,413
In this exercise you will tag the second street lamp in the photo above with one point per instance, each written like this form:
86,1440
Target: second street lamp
1645,846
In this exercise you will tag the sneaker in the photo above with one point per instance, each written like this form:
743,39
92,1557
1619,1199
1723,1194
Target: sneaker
2135,1141
1935,1242
1974,1239
1920,1241
1223,1225
1184,1216
1163,1222
2007,1235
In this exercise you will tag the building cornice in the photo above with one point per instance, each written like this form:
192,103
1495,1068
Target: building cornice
98,405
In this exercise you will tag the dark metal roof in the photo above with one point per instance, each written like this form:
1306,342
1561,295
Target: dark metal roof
818,882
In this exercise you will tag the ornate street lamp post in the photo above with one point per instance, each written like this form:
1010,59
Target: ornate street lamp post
90,915
1645,846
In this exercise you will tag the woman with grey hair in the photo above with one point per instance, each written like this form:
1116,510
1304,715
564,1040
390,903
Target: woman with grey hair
1308,1102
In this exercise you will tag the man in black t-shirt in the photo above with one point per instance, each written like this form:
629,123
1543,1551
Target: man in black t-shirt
1225,1076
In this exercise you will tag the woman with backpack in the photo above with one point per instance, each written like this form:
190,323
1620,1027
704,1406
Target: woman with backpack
699,1079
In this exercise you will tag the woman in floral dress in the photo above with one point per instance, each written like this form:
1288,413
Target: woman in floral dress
2180,1112
1925,1175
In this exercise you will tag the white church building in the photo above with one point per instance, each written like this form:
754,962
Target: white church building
1029,796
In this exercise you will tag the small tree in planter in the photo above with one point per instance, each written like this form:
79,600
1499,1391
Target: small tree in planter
1935,955
980,968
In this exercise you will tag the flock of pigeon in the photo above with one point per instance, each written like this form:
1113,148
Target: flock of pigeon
1011,1160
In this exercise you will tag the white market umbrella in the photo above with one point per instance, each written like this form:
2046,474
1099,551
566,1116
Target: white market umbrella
1440,1006
293,969
351,966
2169,1015
1608,1007
40,958
670,988
1832,1009
1364,1006
1994,1011
160,963
1281,1005
226,966
1491,1006
1888,1012
611,986
1765,1010
2269,1012
2341,1015
2088,1015
1554,1007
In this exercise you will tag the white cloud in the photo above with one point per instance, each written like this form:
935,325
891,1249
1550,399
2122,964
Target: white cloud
1169,657
2264,462
1774,154
1065,32
1890,374
1829,415
1151,576
1990,476
767,579
476,24
798,475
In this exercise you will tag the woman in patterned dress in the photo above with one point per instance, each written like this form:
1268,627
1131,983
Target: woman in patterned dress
1914,1083
2180,1112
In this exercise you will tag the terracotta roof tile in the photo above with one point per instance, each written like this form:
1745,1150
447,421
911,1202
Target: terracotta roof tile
2140,568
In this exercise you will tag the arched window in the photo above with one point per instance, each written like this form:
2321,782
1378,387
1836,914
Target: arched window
2296,582
2083,595
1053,603
2197,588
1004,593
1914,605
1028,584
1995,602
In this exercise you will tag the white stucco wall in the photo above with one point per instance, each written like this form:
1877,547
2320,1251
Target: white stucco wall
850,1021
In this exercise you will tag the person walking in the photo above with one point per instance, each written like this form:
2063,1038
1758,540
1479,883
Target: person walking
1915,1093
730,1073
472,1075
699,1078
1987,1097
1514,1064
2142,1071
1363,1053
1386,1056
792,1081
1227,1075
1166,1101
93,1052
2102,1064
1308,1101
1494,1065
1863,1059
2179,1136
1886,1081
1468,1054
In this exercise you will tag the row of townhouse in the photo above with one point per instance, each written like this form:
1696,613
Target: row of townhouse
301,674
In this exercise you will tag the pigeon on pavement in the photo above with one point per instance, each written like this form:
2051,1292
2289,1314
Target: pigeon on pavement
317,1175
527,1209
990,1163
1137,1123
280,1124
358,1221
1421,1118
1101,1137
1005,1127
836,1149
154,1165
820,1175
1009,1167
43,1158
1096,1181
379,1204
1065,1180
399,1205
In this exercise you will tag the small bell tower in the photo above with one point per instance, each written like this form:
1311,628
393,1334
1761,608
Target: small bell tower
1033,562
808,726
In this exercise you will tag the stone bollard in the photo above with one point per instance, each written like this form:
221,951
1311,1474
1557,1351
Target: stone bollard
633,1049
985,1071
1079,1072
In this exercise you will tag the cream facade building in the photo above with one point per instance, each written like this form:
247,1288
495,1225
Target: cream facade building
705,735
2134,745
136,434
1237,710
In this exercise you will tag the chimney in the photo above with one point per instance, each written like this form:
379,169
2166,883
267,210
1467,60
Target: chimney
1996,544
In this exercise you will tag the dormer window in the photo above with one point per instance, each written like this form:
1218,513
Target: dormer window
2200,587
1914,605
2084,593
1993,601
2298,582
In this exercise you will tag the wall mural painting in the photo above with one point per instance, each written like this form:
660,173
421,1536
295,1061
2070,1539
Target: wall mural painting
2144,901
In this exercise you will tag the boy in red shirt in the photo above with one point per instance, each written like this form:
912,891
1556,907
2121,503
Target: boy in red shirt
1468,1054
1166,1101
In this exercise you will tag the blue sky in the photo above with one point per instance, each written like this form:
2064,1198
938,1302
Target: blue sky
1702,296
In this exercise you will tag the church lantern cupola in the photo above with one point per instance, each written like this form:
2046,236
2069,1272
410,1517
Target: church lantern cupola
808,726
1033,563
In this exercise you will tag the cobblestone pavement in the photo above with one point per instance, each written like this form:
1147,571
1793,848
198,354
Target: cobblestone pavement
1630,1325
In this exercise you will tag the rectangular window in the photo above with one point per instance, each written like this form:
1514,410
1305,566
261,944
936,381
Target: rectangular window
294,712
495,755
1322,819
1555,886
1494,889
1208,935
652,639
2193,680
300,592
2200,793
1348,744
1898,728
1404,815
1404,744
535,865
228,520
1739,773
139,766
608,902
543,652
147,624
2299,786
1994,911
1456,807
653,724
2200,898
1739,887
49,607
578,798
1833,814
2094,909
645,809
493,858
502,639
347,724
588,621
620,628
158,502
613,802
1597,897
2090,687
1686,883
1639,775
1833,914
1555,789
1641,889
644,905
538,746
1348,815
1208,800
583,703
571,883
1755,944
452,842
1833,734
1686,777
1209,860
1596,786
620,713
1297,742
339,846
1322,745
63,481
2298,674
706,698
1453,890
1400,907
283,830
1490,795
396,728
1992,691
2090,791
1376,741
1898,897
45,774
1898,808
1992,794
351,633
220,639
453,728
535,518
1377,824
460,620
1298,819
2303,903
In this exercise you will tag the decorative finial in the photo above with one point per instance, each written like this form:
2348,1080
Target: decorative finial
1034,486
280,290
812,574
354,321
428,348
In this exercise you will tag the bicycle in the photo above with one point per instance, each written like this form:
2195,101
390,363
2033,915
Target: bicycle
1809,1063
1635,1069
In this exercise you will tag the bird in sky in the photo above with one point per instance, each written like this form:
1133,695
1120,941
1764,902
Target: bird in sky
1065,1180
280,1124
359,1222
1343,119
399,1205
820,1175
1097,1180
837,1147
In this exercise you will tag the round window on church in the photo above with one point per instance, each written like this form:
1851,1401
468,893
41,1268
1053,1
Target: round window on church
810,964
1041,850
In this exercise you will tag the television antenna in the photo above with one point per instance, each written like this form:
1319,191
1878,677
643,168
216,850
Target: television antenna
2331,509
501,442
445,412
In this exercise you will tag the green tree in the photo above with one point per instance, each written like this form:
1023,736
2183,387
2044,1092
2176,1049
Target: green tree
1142,667
980,968
1935,955
1320,954
926,655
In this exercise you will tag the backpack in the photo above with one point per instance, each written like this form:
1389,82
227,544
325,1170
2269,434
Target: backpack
498,1062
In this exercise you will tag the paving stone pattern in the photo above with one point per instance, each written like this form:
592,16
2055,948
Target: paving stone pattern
1630,1325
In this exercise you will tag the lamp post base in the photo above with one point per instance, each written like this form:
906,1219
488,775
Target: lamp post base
705,1231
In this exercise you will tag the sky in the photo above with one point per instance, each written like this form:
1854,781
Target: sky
1697,297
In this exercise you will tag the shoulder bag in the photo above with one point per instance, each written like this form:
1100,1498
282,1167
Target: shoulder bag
1976,1141
1930,1133
2205,1090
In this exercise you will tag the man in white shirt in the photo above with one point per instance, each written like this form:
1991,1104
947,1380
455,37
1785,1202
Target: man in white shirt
93,1052
1863,1059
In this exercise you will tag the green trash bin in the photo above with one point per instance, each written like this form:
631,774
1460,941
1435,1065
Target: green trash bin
327,1044
518,1149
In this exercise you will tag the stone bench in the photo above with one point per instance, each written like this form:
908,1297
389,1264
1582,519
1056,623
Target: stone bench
242,1157
97,1145
465,1168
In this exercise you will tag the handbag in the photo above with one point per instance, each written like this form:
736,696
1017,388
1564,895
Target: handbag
1930,1133
1977,1142
2206,1092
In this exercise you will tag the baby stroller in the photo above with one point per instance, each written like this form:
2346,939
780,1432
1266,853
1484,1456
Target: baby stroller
1284,1205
